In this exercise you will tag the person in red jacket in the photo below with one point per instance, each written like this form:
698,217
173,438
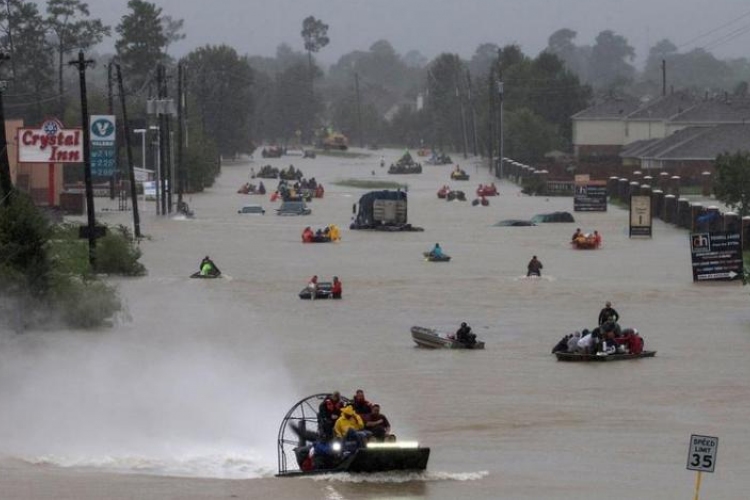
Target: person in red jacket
307,235
636,343
336,288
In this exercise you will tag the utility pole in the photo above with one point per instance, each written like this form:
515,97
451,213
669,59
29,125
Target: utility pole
6,185
491,120
81,64
180,166
663,77
111,111
463,121
473,114
131,171
359,111
162,143
499,172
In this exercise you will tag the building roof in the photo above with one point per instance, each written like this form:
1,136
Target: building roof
707,143
611,108
716,111
665,107
672,142
634,149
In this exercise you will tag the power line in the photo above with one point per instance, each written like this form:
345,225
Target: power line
714,30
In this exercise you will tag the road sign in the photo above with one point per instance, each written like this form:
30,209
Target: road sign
716,256
702,453
102,139
590,197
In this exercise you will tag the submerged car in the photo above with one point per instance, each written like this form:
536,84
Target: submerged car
252,209
293,208
515,223
553,217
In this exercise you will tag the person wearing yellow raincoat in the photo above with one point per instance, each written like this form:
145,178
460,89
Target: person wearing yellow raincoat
350,427
334,232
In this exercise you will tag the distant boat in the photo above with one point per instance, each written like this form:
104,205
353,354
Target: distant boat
432,339
569,356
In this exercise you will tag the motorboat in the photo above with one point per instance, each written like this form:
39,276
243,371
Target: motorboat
298,435
433,339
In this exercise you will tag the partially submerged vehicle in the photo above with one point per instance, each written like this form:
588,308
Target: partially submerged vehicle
382,211
267,172
324,290
272,152
514,223
252,209
298,435
433,339
297,207
553,217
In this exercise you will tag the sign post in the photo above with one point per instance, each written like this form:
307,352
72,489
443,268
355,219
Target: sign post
640,216
103,154
716,256
590,196
701,457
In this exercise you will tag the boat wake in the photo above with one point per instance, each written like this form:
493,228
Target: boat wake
401,477
535,278
218,466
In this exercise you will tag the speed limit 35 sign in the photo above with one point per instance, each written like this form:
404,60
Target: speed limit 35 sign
702,453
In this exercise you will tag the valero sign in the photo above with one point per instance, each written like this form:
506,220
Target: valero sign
50,144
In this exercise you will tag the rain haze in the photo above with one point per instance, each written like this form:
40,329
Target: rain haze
434,26
185,392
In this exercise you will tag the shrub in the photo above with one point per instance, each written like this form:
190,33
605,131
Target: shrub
116,253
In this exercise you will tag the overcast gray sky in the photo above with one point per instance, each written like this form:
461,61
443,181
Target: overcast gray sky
435,26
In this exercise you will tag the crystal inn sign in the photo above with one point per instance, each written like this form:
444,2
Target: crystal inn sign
50,144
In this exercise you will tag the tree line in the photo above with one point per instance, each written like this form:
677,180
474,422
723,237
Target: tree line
234,101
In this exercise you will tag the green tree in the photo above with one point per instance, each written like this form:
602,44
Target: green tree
315,36
24,39
69,24
445,87
732,182
609,66
142,41
222,84
528,136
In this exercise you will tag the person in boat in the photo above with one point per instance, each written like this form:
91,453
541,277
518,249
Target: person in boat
608,314
350,427
307,235
608,345
329,412
334,232
576,235
336,288
261,188
437,252
573,342
378,424
597,239
360,404
586,343
208,268
534,268
312,285
382,161
562,345
632,341
465,336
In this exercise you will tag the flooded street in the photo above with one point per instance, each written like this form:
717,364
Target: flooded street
183,397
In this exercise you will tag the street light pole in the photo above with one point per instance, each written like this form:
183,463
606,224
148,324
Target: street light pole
159,191
499,172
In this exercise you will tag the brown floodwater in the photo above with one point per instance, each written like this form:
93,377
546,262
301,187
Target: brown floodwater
183,396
